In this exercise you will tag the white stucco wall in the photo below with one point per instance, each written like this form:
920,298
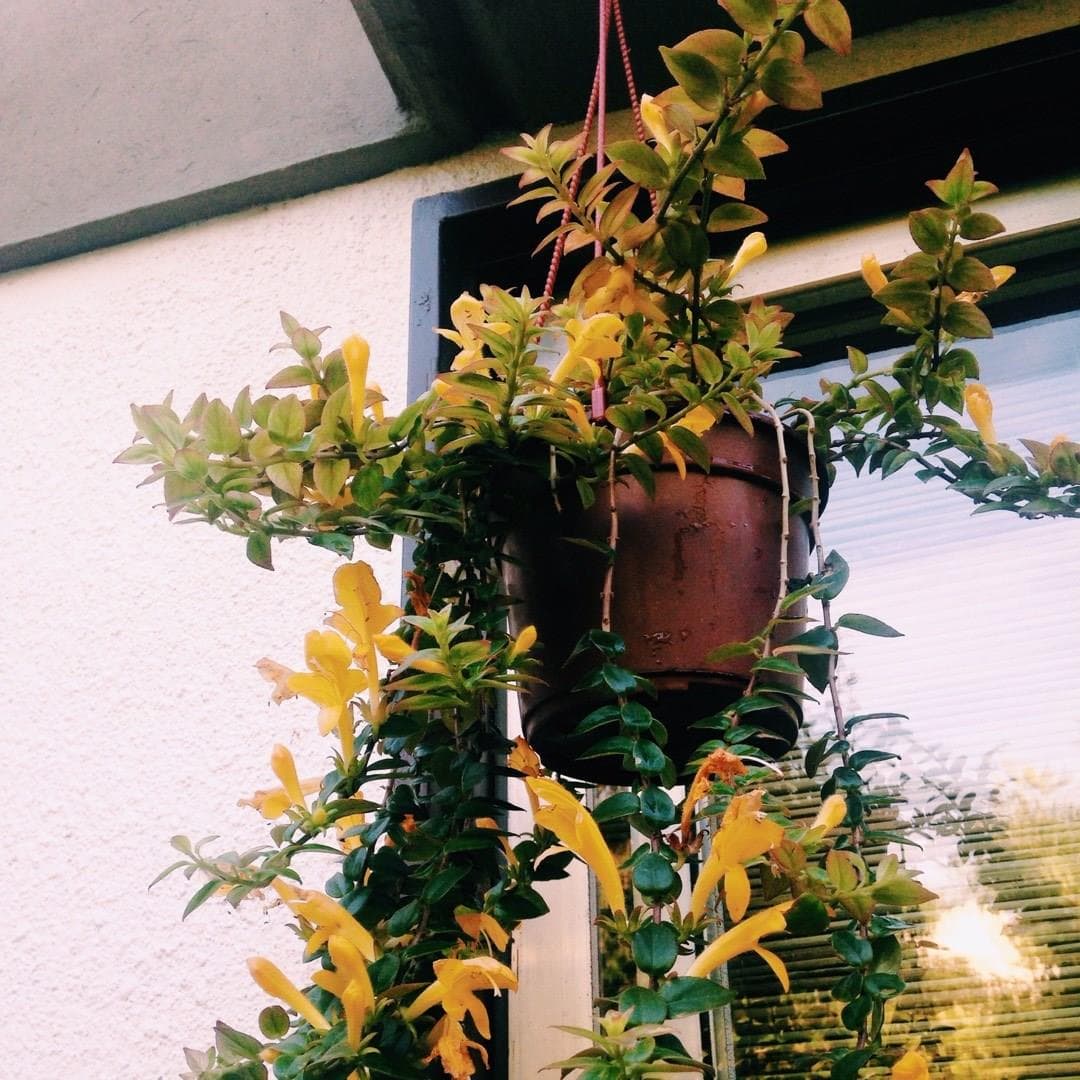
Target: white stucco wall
131,709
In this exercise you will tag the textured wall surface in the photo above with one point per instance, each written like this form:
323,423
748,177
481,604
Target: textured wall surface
130,706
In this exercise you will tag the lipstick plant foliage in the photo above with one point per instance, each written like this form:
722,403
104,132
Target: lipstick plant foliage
412,935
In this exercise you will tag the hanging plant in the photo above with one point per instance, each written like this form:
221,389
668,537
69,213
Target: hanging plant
658,396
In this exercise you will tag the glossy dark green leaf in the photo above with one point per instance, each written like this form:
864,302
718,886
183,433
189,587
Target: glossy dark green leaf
847,1067
618,679
866,624
685,995
258,550
853,949
636,717
884,985
654,876
830,583
807,917
965,320
853,1015
691,445
657,807
655,947
646,1006
648,757
622,804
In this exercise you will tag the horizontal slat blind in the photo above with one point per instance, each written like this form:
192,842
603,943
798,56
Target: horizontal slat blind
988,675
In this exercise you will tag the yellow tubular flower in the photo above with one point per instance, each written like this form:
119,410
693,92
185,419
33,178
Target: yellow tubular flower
355,351
362,616
744,834
722,765
981,410
575,411
579,833
745,938
591,340
912,1066
377,405
652,116
455,986
467,313
278,675
477,924
284,768
271,979
343,826
872,273
523,642
451,1046
328,917
753,247
273,802
831,813
331,683
357,998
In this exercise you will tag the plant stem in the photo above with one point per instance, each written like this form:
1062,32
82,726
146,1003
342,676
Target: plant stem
613,541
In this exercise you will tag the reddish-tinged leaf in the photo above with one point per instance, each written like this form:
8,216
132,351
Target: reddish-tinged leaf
829,23
791,84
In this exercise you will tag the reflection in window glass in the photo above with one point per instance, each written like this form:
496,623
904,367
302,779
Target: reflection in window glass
988,677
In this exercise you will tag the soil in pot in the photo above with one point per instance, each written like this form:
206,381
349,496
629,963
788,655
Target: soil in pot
697,567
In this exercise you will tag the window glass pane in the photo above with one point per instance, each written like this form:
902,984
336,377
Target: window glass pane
988,675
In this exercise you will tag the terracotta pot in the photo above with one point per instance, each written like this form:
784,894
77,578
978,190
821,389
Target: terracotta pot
697,567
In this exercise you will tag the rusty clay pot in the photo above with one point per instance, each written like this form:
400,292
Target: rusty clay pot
696,567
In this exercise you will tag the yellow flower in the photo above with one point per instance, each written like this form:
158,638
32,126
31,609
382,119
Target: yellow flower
579,833
753,247
981,410
270,978
575,412
609,287
477,924
1001,274
744,834
721,764
524,758
831,813
652,116
872,273
745,938
278,675
467,313
355,351
455,986
591,340
327,916
331,683
523,642
362,616
451,1046
491,823
343,826
350,984
272,803
912,1066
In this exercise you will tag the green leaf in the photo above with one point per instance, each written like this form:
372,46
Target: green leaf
734,158
884,985
654,876
685,995
294,375
965,320
220,429
287,475
692,446
735,215
754,16
404,918
648,757
829,23
720,47
233,1044
909,295
707,364
847,1067
657,808
639,163
274,1022
202,894
814,650
815,754
338,543
636,717
807,917
829,584
888,955
930,230
646,1006
857,360
641,470
791,84
901,891
444,881
971,275
980,225
285,424
618,679
699,77
655,947
866,624
622,804
861,758
853,949
258,550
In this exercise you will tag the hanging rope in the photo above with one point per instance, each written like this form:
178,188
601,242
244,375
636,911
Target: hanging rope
596,113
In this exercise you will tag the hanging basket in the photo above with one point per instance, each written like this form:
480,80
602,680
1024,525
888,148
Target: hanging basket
697,567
